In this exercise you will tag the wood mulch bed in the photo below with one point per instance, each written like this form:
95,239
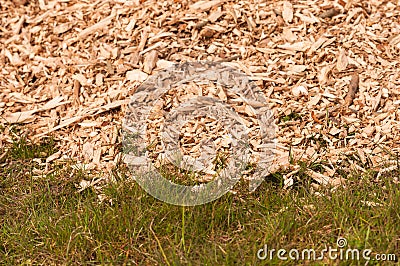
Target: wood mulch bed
328,69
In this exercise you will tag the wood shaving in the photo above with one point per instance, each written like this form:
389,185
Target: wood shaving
68,69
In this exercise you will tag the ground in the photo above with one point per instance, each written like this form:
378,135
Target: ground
329,73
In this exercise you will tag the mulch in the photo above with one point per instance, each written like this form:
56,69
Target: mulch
328,69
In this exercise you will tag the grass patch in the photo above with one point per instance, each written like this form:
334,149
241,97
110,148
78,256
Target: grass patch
293,116
45,221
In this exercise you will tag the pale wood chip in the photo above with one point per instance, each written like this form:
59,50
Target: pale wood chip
342,61
99,25
142,44
27,116
320,178
136,75
205,5
287,12
150,61
298,46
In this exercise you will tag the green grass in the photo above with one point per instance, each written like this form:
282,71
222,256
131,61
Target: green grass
45,221
293,116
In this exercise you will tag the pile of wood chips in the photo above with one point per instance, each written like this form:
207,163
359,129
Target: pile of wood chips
329,71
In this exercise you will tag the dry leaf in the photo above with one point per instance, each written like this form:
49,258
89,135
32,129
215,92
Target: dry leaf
334,131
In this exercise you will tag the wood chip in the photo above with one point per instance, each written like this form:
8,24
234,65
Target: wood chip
136,75
287,12
99,25
353,88
150,61
342,61
70,67
330,13
202,6
27,116
142,44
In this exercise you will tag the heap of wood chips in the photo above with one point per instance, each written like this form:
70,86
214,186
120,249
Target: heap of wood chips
329,71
